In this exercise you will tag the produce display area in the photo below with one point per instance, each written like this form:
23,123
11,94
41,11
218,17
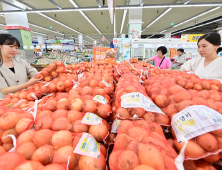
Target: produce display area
122,116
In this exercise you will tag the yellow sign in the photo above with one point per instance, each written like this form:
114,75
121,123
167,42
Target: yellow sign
190,37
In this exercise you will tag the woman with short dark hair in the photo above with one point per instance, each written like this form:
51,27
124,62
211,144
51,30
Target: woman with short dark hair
161,61
13,71
209,65
180,60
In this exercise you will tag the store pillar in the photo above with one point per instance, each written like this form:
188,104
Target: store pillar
40,40
80,37
168,35
123,35
17,25
135,21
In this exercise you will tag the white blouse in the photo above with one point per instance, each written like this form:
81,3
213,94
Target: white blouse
211,71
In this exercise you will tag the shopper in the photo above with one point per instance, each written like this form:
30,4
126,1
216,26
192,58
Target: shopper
180,60
13,72
209,65
160,60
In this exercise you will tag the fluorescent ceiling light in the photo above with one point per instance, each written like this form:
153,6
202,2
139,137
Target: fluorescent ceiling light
106,39
151,36
38,33
158,18
59,22
50,18
196,17
162,31
197,26
45,29
21,4
123,20
75,5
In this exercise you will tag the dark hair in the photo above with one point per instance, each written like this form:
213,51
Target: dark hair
7,39
219,50
181,50
163,49
212,37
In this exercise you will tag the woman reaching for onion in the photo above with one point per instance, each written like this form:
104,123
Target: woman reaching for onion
13,72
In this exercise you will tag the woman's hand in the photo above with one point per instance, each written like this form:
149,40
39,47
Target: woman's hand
147,60
33,81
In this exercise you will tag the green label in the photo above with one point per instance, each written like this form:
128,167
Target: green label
26,39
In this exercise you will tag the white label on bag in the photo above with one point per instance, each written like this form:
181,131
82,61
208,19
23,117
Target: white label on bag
91,119
195,121
100,99
115,126
135,99
88,146
107,84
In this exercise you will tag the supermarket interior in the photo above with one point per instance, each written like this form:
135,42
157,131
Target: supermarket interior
110,85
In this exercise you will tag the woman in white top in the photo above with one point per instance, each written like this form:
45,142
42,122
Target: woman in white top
180,60
209,66
13,72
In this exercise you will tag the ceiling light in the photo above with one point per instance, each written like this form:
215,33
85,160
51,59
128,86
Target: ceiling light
38,33
196,16
59,22
151,36
158,18
123,20
45,28
21,4
162,31
106,39
75,5
197,26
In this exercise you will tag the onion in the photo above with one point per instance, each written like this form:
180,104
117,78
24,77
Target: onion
24,124
53,167
10,160
61,123
26,137
9,120
43,137
62,138
63,154
74,116
9,132
26,149
44,123
44,154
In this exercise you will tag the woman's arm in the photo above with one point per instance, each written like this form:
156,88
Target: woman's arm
14,89
147,60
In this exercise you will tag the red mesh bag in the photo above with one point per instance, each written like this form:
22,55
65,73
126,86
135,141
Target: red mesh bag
140,144
136,107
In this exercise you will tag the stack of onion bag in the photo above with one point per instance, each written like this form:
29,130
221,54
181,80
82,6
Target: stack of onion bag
172,98
132,102
79,68
194,119
122,69
13,122
51,71
74,121
74,150
141,145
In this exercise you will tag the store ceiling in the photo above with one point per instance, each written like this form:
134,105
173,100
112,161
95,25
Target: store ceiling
101,20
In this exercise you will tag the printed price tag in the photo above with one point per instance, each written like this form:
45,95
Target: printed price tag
88,146
100,99
195,121
115,126
135,99
91,119
107,84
